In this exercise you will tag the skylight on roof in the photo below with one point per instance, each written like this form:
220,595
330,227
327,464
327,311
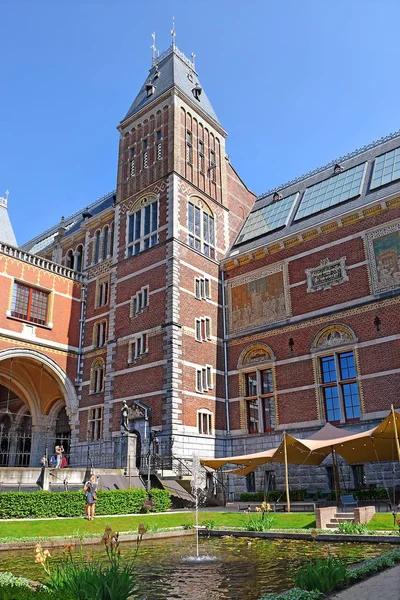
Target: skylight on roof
386,168
332,191
267,219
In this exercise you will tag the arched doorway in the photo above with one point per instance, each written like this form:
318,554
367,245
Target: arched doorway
37,404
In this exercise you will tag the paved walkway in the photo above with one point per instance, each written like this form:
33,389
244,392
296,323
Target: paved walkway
384,585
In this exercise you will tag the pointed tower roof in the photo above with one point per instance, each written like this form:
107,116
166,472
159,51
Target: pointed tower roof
6,231
172,69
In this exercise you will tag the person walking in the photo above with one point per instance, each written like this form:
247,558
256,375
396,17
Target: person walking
90,490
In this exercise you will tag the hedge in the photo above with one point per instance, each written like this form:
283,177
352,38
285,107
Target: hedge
20,505
25,593
363,495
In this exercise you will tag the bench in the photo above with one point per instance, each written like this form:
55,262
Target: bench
306,506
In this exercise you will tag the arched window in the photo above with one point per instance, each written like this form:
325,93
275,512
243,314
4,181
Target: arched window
79,258
337,374
105,243
96,249
112,239
204,421
142,226
69,259
258,387
99,334
201,227
97,376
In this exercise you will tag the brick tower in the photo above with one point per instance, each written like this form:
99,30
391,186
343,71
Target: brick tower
179,207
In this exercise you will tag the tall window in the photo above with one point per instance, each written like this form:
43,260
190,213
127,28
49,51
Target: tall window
102,293
105,243
29,304
145,155
132,162
142,227
340,388
202,288
203,329
189,147
138,347
79,258
159,145
140,301
99,334
204,422
213,165
201,156
201,229
96,250
95,424
204,379
97,376
260,400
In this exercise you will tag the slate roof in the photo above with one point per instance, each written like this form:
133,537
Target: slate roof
6,231
71,223
175,70
367,154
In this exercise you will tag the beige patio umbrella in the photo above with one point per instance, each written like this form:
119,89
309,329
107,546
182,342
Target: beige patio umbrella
245,460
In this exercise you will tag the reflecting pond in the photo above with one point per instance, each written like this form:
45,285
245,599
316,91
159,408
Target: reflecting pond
243,568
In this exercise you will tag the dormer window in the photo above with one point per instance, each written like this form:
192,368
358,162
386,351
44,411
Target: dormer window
337,169
150,89
196,91
276,197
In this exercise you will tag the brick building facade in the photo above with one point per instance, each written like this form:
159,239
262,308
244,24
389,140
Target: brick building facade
309,281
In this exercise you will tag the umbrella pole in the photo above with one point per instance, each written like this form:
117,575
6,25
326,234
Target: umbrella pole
286,473
396,436
335,476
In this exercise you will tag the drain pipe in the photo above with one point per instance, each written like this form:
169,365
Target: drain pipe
228,425
81,321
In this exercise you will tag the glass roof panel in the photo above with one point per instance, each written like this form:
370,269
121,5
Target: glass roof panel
386,168
332,191
267,219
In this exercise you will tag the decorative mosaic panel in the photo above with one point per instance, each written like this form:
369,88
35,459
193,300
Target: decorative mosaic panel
384,257
258,299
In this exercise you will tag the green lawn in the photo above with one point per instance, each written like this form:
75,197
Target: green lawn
79,526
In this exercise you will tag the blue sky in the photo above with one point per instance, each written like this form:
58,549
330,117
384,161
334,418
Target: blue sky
295,83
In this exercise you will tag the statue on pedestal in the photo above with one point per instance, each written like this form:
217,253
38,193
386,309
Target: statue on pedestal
124,416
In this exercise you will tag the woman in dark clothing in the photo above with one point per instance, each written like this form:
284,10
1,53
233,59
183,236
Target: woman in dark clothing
91,496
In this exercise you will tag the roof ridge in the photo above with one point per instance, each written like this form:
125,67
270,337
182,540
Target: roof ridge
332,163
66,219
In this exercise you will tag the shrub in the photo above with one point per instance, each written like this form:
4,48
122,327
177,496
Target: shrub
373,565
324,575
9,579
210,524
21,505
260,522
294,594
352,528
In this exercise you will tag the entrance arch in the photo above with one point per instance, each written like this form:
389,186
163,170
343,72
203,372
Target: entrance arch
38,403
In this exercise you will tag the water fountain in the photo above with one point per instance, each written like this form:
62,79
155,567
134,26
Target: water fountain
197,486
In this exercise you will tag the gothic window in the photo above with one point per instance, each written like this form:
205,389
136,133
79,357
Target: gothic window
132,162
204,421
159,145
201,156
95,424
69,259
105,242
29,304
96,249
339,387
97,376
201,229
143,226
145,155
99,334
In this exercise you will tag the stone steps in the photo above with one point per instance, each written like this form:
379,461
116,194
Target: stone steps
340,518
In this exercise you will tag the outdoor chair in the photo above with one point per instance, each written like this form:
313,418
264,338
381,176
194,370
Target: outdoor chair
348,500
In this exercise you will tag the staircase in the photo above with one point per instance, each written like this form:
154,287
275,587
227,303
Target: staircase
341,517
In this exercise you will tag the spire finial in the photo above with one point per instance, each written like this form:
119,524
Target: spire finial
193,57
153,48
173,32
4,201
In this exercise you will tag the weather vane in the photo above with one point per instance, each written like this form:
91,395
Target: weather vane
173,32
153,48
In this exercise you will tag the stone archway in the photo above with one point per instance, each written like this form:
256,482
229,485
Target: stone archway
35,393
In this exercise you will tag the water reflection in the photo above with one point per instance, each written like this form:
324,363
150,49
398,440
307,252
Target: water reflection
243,569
